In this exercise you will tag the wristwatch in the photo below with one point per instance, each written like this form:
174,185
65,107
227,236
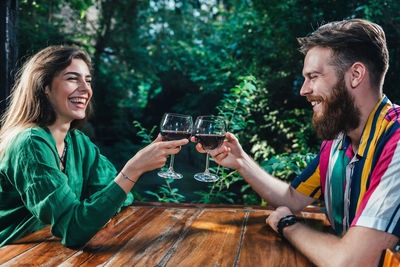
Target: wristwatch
286,221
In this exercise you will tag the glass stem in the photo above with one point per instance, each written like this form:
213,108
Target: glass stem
207,163
171,162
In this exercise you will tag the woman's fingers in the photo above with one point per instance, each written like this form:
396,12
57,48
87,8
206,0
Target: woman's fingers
175,143
172,144
175,150
168,147
158,139
199,148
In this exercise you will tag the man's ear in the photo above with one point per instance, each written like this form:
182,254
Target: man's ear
358,72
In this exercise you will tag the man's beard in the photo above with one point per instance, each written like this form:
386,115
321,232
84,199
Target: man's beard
339,113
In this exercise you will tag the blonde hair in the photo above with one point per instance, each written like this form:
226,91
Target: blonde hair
28,104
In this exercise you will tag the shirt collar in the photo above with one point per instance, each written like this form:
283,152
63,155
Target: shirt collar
345,142
374,122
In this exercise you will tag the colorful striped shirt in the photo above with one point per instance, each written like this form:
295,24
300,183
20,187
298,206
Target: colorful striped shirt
371,188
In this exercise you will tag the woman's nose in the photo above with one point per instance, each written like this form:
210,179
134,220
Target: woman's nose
84,85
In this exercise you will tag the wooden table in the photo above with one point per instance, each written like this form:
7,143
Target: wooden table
155,234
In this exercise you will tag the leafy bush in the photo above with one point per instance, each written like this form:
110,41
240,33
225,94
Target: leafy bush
287,166
167,194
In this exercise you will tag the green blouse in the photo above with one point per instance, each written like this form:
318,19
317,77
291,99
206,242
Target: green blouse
34,192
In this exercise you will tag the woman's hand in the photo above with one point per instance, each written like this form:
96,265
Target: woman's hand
230,154
152,157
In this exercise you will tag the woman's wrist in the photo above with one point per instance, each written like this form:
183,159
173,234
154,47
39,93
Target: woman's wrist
127,177
131,169
132,174
125,180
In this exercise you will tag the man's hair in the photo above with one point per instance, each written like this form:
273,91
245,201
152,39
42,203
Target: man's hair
353,40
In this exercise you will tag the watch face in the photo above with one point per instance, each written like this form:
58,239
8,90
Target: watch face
286,221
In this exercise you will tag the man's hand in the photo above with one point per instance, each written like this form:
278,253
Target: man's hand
276,215
360,246
230,154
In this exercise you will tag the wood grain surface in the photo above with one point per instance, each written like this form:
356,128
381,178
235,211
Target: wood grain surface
159,234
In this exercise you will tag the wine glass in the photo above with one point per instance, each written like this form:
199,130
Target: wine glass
174,127
210,133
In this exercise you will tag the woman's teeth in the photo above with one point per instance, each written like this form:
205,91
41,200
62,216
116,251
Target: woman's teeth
78,100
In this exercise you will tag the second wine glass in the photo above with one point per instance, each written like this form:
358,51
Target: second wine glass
174,127
210,133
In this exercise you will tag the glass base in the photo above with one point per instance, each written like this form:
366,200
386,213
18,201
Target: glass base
206,177
170,174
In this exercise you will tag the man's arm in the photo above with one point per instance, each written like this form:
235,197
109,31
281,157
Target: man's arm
360,246
273,190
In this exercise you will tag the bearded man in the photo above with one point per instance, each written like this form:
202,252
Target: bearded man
357,171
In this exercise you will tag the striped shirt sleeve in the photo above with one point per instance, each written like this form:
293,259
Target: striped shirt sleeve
309,182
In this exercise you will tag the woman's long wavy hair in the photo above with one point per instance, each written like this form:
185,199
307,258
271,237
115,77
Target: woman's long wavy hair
29,105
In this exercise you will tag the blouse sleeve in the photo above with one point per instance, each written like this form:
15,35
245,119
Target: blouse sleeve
100,171
46,194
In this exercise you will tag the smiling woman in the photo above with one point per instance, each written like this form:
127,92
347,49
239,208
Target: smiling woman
50,172
70,91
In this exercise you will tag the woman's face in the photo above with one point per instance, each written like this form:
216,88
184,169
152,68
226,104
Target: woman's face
70,92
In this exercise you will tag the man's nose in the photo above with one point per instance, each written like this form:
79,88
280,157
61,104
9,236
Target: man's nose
305,89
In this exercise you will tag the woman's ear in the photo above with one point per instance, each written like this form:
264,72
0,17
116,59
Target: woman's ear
46,90
357,74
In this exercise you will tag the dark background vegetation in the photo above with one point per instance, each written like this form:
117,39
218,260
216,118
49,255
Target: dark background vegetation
238,58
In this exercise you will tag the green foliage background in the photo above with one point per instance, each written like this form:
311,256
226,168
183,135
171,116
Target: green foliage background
236,58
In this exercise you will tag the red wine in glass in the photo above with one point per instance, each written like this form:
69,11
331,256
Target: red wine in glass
210,141
210,133
174,127
168,135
